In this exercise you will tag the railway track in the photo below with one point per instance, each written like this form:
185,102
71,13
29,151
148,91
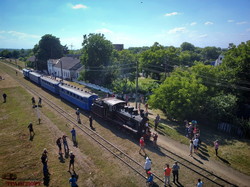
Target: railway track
135,166
204,173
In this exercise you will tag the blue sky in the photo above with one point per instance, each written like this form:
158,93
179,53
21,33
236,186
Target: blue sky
134,23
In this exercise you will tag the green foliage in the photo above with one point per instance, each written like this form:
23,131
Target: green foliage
180,96
222,107
96,56
49,47
185,46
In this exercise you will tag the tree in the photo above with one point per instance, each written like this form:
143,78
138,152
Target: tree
15,54
185,46
96,56
236,66
49,47
6,53
180,96
158,60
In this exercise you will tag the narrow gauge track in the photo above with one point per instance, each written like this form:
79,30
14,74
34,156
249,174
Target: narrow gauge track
126,159
208,175
111,148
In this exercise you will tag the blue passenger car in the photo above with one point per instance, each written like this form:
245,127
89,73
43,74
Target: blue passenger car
50,84
26,73
35,77
77,97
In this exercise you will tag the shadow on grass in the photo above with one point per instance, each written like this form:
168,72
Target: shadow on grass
202,157
224,160
198,160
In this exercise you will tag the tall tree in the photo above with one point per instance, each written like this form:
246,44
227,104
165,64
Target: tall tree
96,56
185,46
49,47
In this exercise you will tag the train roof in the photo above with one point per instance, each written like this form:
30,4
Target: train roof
76,91
27,70
50,80
36,74
113,101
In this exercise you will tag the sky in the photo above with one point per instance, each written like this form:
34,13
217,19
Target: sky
134,23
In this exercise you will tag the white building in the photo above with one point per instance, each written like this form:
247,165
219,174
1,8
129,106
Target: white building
219,60
66,67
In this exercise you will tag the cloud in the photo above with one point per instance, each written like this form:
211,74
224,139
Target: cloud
248,30
172,14
19,35
193,23
202,36
79,6
230,21
208,23
176,30
241,23
104,30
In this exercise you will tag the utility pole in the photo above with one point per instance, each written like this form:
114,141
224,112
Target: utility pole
136,89
61,69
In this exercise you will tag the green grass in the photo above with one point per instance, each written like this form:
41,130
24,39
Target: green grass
21,156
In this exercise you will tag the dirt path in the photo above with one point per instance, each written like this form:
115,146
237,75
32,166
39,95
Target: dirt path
212,165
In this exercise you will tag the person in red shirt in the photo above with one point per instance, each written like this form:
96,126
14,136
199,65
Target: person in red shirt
167,173
142,145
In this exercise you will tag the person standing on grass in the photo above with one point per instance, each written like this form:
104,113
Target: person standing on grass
200,183
4,97
147,165
73,181
44,160
150,179
59,144
142,145
155,137
167,173
65,143
40,101
30,127
157,120
216,147
78,116
195,143
191,147
71,161
33,102
73,133
175,171
90,122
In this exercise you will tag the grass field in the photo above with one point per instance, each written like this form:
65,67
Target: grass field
21,156
233,152
97,167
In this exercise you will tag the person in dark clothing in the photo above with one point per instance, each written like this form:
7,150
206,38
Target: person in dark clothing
30,127
90,122
33,102
40,101
65,143
73,181
44,159
78,116
175,171
4,97
59,144
72,161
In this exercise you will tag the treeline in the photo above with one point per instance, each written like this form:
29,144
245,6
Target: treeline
186,86
21,54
